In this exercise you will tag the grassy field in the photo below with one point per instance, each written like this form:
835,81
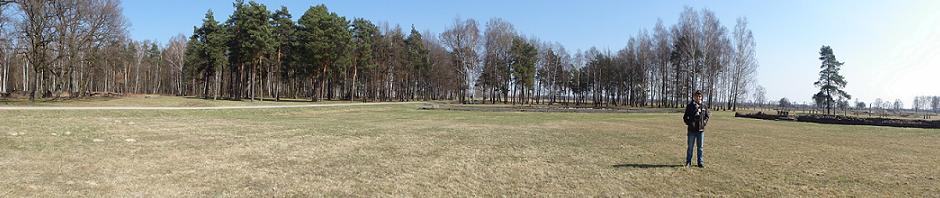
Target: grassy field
400,150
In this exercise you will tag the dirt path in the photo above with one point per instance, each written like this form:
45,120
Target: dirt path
206,108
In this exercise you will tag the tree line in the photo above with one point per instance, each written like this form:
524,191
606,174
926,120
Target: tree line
260,53
70,46
921,104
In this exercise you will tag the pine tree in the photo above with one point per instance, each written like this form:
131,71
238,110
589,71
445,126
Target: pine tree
251,40
830,81
325,38
364,35
418,60
283,31
524,57
207,52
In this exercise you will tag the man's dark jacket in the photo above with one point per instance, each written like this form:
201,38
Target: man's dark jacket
696,117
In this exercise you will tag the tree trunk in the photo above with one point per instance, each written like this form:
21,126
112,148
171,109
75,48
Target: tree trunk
323,77
25,75
355,82
179,81
5,75
218,84
205,86
137,78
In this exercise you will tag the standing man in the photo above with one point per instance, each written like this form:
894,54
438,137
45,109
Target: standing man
696,116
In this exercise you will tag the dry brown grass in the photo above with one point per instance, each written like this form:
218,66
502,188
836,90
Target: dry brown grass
399,150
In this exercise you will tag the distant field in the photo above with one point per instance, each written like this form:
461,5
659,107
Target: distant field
400,150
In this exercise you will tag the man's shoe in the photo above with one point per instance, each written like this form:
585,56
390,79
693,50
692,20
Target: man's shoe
688,164
701,166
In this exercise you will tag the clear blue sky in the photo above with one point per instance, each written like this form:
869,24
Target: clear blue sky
890,48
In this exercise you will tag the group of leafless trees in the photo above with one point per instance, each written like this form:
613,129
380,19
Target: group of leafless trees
925,103
78,47
51,48
920,104
659,68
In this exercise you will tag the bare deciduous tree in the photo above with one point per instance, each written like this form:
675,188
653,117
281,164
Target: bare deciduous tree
744,63
175,55
495,77
463,38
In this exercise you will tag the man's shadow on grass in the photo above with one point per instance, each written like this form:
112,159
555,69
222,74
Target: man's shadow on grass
646,165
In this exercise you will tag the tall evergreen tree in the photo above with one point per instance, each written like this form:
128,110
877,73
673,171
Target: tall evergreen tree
364,35
830,82
283,31
418,59
325,38
251,38
209,45
524,57
193,61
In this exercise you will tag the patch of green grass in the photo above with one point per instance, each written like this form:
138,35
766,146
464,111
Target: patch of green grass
400,150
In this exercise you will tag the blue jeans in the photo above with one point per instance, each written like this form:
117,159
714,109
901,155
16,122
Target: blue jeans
695,137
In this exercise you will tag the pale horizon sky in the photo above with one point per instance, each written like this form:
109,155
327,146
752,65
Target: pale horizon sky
890,48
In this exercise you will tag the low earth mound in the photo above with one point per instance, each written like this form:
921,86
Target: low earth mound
847,120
